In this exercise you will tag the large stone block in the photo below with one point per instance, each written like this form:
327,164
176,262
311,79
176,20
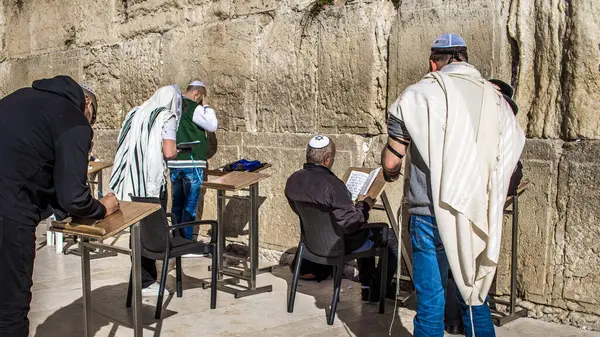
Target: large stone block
352,67
24,71
102,71
142,17
34,26
224,55
557,68
98,22
417,25
141,70
581,80
579,200
537,221
288,78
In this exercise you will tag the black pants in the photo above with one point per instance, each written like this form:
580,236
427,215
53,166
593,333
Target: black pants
368,274
17,251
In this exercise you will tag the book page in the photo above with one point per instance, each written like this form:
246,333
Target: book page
369,182
356,182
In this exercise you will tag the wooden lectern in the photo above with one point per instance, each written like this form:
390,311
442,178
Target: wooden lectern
128,216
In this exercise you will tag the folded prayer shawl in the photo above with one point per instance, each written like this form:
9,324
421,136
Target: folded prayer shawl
139,167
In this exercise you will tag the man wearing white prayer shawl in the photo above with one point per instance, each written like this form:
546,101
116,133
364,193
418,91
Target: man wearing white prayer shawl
465,143
146,140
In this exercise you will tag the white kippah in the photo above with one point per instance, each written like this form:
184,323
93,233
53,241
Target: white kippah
197,84
319,142
87,87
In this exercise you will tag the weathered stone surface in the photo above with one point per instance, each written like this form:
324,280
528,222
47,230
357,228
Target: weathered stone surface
557,67
579,201
537,221
102,71
417,25
25,70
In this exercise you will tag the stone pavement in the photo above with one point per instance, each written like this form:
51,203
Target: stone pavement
56,308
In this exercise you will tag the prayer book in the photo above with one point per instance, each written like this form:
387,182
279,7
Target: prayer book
359,183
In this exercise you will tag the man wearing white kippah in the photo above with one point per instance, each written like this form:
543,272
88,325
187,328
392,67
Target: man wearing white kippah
316,184
187,170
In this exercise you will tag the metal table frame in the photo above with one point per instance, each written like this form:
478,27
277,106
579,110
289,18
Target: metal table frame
500,318
387,207
85,245
236,274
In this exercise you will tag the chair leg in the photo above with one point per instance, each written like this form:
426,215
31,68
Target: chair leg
213,278
383,262
178,276
129,291
295,277
161,288
337,282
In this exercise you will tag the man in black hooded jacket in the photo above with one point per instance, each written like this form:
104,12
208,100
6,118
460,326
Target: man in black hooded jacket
45,138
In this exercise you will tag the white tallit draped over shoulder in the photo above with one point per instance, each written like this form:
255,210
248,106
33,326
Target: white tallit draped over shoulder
470,167
139,166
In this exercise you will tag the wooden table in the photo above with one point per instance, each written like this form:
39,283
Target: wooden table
128,216
233,182
377,191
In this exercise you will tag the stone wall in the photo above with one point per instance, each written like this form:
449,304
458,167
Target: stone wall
273,86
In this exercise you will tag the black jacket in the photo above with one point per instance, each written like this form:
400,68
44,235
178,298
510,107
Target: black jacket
318,185
44,145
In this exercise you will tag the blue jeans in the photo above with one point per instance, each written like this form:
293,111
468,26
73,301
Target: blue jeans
187,184
430,272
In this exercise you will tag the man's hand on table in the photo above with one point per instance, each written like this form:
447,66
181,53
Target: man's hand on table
111,203
370,201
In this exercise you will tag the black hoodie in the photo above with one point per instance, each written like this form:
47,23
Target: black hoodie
44,145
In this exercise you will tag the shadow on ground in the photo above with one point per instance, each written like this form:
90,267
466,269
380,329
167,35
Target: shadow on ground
108,309
360,319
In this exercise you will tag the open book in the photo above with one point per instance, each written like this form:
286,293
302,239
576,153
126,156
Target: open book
359,183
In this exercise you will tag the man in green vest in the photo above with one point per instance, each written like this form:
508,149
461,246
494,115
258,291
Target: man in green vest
187,170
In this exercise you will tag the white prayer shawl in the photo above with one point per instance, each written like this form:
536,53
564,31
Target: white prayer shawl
139,165
470,169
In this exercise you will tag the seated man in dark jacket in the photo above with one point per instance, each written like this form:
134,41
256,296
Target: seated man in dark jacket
316,184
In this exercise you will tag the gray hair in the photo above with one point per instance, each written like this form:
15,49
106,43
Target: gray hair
317,156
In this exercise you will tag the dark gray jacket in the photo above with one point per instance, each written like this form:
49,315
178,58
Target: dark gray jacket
317,185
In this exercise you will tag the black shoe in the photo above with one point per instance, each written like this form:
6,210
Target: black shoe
454,329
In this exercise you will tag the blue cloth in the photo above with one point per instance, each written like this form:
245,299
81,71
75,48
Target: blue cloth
430,273
186,185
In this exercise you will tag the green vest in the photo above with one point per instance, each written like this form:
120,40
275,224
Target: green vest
190,132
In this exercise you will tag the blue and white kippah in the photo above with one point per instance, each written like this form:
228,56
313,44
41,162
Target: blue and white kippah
449,40
197,84
319,142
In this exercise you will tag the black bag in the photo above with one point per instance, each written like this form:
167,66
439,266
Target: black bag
320,271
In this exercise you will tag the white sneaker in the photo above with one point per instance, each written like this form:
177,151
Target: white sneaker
152,290
194,255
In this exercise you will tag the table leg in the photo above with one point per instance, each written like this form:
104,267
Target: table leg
100,185
136,255
220,234
87,288
253,241
397,230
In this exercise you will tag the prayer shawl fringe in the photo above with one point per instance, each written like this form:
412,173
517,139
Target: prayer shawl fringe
139,166
470,169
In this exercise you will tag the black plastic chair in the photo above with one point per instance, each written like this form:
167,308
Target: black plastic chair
158,244
322,241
